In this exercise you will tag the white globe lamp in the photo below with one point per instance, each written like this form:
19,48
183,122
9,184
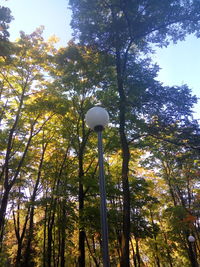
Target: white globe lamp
191,239
97,118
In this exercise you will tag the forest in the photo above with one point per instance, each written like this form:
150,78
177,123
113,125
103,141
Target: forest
49,173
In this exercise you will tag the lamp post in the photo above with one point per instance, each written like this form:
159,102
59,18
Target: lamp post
191,239
97,118
192,249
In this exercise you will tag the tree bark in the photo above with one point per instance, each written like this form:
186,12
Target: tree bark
50,231
44,236
124,261
9,184
155,239
19,254
81,258
27,254
4,203
92,253
138,252
63,238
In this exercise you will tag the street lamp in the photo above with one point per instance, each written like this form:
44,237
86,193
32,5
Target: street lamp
191,239
97,118
192,248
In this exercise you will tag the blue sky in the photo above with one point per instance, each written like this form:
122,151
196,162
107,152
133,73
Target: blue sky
179,63
30,14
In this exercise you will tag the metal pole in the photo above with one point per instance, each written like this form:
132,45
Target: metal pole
193,256
103,211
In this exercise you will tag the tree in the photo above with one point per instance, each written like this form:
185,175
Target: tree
177,166
49,158
121,27
20,77
5,19
76,74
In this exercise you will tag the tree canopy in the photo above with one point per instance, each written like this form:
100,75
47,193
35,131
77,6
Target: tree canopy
49,194
5,19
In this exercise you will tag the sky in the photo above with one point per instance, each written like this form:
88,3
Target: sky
179,63
30,14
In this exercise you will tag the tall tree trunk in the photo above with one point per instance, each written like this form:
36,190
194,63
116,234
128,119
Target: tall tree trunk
124,261
138,252
9,184
81,258
92,253
170,259
27,254
81,148
19,254
155,244
50,232
4,203
44,236
63,238
5,170
134,255
19,236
